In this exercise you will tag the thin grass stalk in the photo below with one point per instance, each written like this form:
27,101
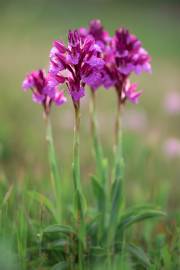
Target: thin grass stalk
55,177
78,189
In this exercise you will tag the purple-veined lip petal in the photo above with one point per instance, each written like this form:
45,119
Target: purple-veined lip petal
73,58
55,68
52,82
122,54
73,38
58,61
134,98
97,48
93,78
38,98
60,78
53,52
83,32
137,44
127,69
108,81
60,46
59,98
56,65
142,51
132,94
27,84
138,69
49,91
95,61
77,95
88,44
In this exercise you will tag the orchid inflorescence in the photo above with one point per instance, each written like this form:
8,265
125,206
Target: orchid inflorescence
38,82
94,58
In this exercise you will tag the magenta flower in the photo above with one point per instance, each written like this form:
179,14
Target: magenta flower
96,30
124,56
77,64
102,42
129,54
37,81
129,92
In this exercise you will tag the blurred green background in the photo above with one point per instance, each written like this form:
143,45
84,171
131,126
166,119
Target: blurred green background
27,30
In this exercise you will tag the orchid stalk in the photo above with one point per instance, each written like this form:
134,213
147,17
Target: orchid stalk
98,152
100,181
79,208
117,125
118,176
55,176
76,165
37,81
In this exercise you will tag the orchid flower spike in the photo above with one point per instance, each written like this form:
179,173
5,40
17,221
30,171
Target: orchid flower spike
37,81
77,64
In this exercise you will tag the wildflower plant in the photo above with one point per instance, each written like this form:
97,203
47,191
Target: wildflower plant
37,82
94,59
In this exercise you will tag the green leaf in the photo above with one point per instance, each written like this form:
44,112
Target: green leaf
60,266
55,177
116,198
101,163
93,223
117,186
136,216
42,199
7,195
98,251
139,254
99,192
57,228
80,204
57,244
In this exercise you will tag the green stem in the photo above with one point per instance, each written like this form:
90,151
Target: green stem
78,189
76,165
117,199
55,178
101,166
96,141
118,131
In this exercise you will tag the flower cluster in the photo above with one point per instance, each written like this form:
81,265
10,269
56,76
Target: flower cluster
96,31
92,57
129,54
122,55
77,64
125,57
37,81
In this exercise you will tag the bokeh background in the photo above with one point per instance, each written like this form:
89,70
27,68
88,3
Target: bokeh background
151,129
